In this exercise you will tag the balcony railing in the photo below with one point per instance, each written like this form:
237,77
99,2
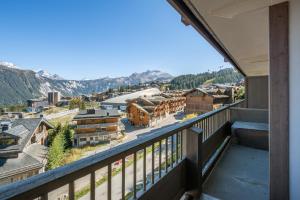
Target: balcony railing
179,151
98,125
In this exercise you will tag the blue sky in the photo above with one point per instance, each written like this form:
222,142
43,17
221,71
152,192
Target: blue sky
95,38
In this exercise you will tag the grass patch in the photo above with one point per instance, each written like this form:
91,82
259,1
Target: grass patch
63,120
54,110
74,154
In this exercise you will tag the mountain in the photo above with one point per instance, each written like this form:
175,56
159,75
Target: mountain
228,75
18,85
46,74
149,76
8,64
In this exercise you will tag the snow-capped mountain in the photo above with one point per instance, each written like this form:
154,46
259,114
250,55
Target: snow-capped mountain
8,64
19,85
46,74
150,75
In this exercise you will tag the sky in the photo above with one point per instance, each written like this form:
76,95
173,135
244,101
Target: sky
88,39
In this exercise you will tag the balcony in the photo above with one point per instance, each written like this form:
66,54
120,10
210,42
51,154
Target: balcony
100,125
199,156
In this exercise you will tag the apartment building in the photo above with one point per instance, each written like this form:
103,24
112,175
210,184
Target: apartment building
148,111
36,105
53,98
23,148
201,101
95,126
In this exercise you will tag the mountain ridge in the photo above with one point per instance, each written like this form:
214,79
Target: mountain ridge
18,85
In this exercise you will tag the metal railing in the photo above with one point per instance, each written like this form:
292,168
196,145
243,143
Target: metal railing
160,152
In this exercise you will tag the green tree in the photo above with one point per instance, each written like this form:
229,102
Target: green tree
77,103
56,152
53,133
82,105
240,93
68,136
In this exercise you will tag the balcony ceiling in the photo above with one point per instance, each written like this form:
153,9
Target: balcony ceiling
241,27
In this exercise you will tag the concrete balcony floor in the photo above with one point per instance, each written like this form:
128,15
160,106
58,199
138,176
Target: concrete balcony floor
242,173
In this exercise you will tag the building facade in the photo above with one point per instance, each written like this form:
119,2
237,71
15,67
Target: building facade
148,111
201,101
95,126
53,98
36,105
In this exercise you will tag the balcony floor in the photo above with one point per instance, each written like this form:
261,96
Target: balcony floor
242,173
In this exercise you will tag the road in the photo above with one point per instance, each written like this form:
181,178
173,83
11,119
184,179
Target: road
101,191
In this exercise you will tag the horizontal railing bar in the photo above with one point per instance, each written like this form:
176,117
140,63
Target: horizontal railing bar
37,185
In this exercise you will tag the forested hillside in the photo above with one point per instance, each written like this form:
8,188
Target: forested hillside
189,81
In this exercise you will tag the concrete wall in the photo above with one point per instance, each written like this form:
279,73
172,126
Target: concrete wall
257,92
294,113
249,115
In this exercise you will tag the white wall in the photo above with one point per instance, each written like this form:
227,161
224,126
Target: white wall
294,99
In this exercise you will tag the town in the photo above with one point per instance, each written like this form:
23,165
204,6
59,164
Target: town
57,130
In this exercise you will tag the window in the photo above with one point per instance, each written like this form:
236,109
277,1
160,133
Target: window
91,138
82,139
40,128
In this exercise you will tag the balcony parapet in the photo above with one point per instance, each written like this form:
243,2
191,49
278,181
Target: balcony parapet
170,143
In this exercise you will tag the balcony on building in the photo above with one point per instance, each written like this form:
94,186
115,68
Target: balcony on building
239,151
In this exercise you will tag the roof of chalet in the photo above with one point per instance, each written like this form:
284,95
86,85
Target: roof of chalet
37,151
18,131
196,89
99,113
215,93
150,109
22,129
140,107
157,99
144,101
123,98
12,166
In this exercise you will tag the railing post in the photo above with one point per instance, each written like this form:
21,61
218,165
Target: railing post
192,152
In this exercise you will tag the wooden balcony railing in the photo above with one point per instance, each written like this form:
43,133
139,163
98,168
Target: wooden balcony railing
100,125
172,153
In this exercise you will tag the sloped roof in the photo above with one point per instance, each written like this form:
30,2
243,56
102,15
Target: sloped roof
18,131
100,113
37,151
144,101
150,109
23,129
140,107
123,98
12,166
195,89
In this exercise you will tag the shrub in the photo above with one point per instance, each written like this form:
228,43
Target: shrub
53,132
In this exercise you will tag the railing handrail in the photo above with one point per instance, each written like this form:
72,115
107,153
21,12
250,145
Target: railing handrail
61,176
